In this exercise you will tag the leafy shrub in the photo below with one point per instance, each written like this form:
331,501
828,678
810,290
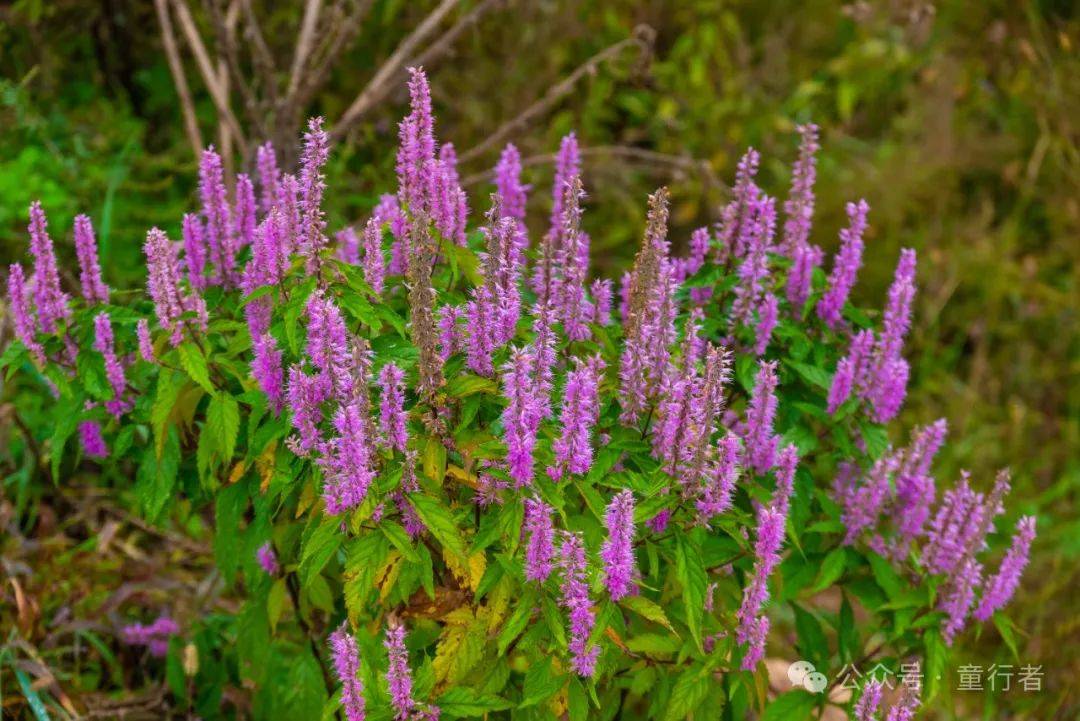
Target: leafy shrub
488,496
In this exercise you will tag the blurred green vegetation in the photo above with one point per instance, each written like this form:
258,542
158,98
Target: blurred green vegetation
956,120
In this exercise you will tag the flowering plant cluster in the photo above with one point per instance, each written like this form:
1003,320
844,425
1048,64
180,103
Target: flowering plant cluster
453,475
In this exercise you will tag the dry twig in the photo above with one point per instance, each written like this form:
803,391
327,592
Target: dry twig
642,39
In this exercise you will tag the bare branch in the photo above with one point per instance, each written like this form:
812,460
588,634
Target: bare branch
209,73
225,34
379,84
649,158
303,46
641,39
345,32
261,57
176,68
441,46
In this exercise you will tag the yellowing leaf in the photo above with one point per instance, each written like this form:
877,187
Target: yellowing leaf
460,474
469,572
461,646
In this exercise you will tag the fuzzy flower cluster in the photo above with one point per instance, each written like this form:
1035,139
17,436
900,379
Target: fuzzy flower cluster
526,331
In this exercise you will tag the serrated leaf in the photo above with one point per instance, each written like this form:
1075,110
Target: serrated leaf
164,399
467,384
886,576
832,568
791,706
691,575
317,548
400,539
275,602
223,424
465,702
440,522
541,683
813,375
936,655
194,364
654,644
649,610
517,622
460,647
690,690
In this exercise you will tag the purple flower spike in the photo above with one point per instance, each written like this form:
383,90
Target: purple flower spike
244,212
416,152
521,418
194,251
761,442
392,415
573,449
868,703
399,675
269,176
346,655
540,550
267,559
845,266
94,289
312,184
23,320
617,552
114,372
373,261
512,193
267,371
348,468
851,370
799,207
767,317
575,598
221,248
93,444
348,246
1001,587
602,290
50,299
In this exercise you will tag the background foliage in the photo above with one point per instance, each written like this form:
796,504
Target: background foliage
956,120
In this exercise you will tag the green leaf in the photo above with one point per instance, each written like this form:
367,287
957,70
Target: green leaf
228,511
647,609
813,375
66,421
440,522
156,476
400,539
317,548
791,706
223,424
577,701
691,574
887,577
832,568
164,400
1005,627
275,602
936,655
654,644
466,384
876,439
690,690
193,361
540,683
812,643
517,622
465,702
